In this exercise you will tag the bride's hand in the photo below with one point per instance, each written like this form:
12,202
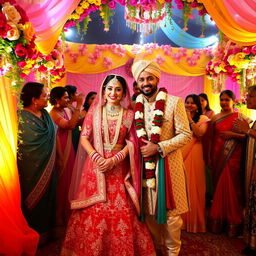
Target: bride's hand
105,165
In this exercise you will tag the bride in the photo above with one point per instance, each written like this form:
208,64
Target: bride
106,181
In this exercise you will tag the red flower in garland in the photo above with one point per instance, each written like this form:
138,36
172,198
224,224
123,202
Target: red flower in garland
149,162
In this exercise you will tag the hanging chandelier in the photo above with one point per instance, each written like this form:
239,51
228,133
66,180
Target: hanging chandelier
144,19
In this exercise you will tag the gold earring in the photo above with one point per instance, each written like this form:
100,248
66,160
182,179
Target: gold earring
57,105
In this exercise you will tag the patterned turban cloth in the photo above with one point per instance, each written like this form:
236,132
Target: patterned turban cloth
145,65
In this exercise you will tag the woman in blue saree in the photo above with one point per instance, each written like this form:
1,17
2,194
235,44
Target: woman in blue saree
36,159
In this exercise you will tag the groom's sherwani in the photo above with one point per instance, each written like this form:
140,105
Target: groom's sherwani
175,133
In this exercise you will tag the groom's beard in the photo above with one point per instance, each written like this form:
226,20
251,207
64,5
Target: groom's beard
148,90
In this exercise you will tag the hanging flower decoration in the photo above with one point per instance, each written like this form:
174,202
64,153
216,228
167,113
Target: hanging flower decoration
82,13
17,47
141,15
186,6
51,67
234,61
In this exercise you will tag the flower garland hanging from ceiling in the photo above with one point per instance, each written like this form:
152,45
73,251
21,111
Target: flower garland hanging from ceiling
140,15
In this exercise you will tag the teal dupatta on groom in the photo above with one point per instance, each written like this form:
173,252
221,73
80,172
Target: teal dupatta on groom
36,159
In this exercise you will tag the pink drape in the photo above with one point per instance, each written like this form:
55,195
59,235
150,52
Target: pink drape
243,12
176,85
48,19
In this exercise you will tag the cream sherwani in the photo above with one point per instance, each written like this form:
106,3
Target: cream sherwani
175,133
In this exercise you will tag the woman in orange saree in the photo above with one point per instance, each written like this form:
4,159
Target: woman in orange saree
194,220
226,153
106,180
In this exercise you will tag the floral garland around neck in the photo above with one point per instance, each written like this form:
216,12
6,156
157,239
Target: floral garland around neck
149,179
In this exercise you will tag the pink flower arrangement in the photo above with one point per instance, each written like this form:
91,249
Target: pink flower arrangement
17,48
107,62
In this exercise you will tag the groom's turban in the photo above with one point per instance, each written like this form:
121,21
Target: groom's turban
145,65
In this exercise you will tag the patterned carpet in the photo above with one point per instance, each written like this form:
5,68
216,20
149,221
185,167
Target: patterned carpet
200,244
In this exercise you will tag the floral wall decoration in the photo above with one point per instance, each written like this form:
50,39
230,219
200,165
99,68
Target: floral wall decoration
234,61
141,15
17,47
147,49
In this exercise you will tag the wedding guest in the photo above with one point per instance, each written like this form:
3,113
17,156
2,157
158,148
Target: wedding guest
250,176
72,94
105,185
162,129
88,101
66,121
194,220
136,92
206,110
36,158
226,152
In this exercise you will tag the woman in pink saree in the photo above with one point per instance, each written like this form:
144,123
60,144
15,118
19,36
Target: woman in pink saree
66,121
226,153
106,181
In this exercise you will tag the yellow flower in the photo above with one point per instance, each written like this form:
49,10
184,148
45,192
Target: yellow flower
85,4
91,1
11,13
79,10
189,1
26,71
29,63
13,33
239,56
28,30
200,7
161,1
75,16
98,2
49,64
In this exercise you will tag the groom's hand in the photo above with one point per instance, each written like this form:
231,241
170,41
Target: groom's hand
149,149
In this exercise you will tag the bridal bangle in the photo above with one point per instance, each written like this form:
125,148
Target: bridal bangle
91,152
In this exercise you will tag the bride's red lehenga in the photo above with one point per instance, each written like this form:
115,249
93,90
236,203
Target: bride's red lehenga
107,224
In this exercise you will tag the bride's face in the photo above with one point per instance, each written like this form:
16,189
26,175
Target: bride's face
114,93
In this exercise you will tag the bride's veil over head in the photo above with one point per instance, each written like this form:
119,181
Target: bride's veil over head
78,193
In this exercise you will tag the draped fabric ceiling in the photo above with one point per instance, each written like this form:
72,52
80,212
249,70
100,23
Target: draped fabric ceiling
234,18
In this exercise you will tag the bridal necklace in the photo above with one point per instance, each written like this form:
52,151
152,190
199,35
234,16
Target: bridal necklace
113,110
112,144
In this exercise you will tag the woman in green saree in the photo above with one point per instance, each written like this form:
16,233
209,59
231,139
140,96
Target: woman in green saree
36,159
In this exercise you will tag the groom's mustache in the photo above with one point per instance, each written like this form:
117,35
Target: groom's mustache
147,85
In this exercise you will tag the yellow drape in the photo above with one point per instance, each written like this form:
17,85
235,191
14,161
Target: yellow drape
16,237
83,66
224,21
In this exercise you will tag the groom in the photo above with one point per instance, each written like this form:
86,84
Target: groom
162,128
